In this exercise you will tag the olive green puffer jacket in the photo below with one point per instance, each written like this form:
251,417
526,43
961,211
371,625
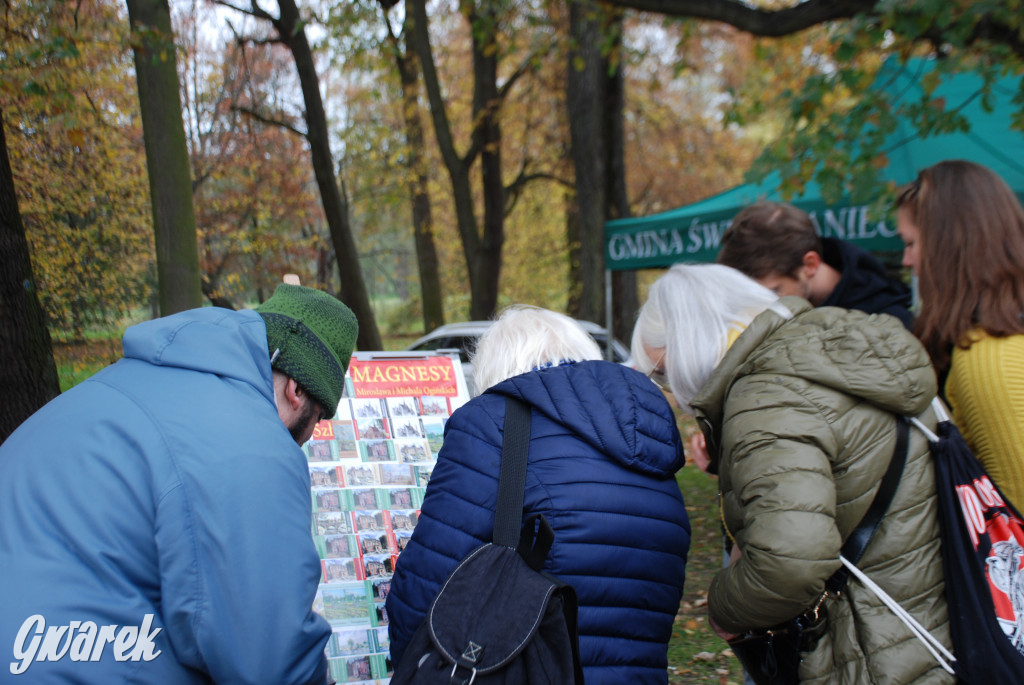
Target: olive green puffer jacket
799,419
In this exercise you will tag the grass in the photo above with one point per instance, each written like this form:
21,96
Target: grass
695,653
77,361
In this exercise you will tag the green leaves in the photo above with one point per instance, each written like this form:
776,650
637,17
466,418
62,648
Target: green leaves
34,88
840,113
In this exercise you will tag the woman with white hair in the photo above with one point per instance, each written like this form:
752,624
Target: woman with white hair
798,407
603,453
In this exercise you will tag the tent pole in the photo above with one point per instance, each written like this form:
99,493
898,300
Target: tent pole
608,314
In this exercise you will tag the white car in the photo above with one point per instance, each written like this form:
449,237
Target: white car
463,337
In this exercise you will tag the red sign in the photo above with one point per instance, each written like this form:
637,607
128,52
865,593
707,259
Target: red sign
324,430
403,377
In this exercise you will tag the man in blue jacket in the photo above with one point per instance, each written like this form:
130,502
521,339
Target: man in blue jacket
154,520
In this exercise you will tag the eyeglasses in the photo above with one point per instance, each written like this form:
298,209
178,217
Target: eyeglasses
657,376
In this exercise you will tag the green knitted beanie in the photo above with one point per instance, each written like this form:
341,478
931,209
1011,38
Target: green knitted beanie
310,336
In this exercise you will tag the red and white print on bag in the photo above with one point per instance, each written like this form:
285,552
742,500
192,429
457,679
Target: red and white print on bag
997,534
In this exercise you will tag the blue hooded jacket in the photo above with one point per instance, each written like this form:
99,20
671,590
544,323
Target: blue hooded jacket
604,449
165,486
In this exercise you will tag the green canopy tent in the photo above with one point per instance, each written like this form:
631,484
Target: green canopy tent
693,233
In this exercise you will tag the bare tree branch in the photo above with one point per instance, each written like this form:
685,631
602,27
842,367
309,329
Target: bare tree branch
760,22
985,29
803,15
240,9
270,121
515,188
253,10
523,68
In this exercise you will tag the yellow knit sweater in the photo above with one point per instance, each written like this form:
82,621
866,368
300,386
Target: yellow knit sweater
985,389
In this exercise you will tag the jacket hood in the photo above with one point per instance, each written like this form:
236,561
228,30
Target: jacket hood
211,340
868,356
864,284
613,408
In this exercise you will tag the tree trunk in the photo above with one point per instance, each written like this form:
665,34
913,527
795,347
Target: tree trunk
28,376
170,181
572,232
483,256
353,287
625,300
487,112
596,101
422,221
587,101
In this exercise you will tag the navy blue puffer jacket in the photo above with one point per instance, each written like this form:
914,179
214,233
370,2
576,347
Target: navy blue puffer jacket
604,449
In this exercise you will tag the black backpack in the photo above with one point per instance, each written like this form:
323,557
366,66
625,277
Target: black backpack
982,550
498,618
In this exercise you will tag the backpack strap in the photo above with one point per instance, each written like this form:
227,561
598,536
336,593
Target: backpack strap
861,536
515,446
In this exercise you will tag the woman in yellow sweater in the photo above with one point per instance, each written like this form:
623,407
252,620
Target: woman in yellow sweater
964,234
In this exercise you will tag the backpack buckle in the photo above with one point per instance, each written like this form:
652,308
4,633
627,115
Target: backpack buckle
463,681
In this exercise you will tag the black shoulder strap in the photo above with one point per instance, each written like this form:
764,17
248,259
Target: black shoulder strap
508,517
857,542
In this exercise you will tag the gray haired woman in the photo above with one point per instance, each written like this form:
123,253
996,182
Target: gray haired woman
604,450
798,407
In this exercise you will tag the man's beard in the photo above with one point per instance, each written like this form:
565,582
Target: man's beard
299,425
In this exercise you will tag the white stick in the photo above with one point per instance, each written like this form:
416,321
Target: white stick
932,437
919,631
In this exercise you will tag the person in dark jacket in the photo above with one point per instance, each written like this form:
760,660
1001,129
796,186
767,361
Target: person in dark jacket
799,409
777,245
604,450
155,518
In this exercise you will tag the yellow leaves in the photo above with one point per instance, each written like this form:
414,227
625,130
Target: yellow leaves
77,162
930,81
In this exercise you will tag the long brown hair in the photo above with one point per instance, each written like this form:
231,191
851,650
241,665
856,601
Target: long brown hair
971,268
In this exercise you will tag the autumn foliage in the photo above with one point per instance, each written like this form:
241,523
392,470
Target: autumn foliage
76,150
